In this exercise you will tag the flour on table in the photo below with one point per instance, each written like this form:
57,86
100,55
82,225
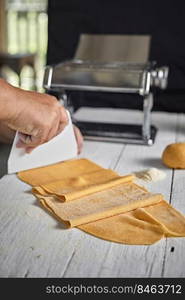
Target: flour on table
152,174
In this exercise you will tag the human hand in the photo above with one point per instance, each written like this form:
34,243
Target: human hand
7,136
38,117
79,138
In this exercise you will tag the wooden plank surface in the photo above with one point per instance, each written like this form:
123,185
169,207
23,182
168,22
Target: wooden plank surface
34,244
174,263
124,260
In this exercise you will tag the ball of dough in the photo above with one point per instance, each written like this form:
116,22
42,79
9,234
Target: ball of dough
174,156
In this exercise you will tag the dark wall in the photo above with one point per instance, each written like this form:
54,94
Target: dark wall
163,20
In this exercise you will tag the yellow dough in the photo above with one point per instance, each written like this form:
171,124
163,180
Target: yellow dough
76,187
174,156
109,202
55,172
142,226
100,202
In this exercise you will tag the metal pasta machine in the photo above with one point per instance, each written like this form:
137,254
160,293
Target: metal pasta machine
114,64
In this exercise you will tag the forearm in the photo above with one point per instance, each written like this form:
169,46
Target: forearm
7,101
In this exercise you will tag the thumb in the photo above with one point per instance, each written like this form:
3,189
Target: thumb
24,139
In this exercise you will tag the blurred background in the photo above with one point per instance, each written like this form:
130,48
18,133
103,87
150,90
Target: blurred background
38,32
23,42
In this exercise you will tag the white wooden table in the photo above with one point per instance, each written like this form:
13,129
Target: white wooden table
34,244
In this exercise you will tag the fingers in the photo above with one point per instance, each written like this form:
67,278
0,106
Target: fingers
63,115
63,121
79,138
29,149
24,139
59,120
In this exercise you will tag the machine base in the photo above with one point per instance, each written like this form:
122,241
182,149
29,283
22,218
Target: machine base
116,133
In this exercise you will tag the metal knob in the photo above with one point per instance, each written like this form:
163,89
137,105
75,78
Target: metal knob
159,77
